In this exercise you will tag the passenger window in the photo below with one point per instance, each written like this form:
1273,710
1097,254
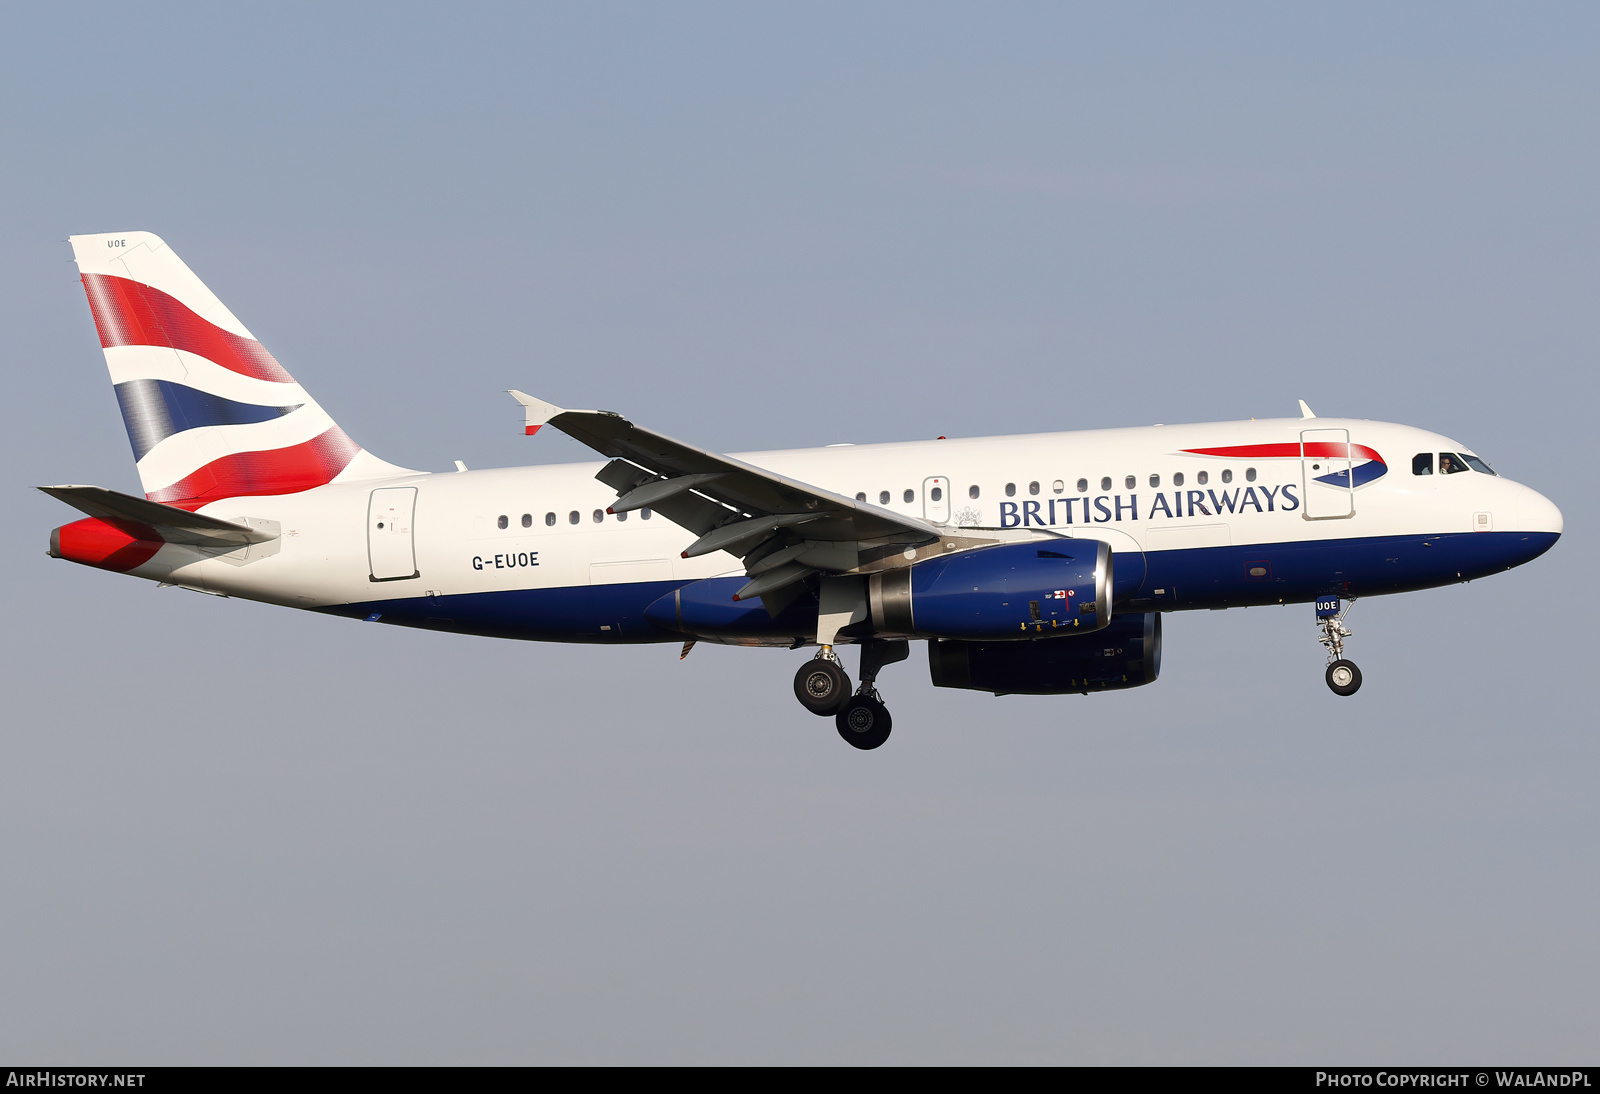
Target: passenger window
1177,478
1227,476
622,516
1130,482
1155,482
644,514
972,491
1202,477
1451,464
936,494
527,520
1105,483
572,517
1011,489
861,496
1083,486
1422,463
599,515
883,497
1058,486
550,520
910,496
502,522
1249,474
1033,488
1477,464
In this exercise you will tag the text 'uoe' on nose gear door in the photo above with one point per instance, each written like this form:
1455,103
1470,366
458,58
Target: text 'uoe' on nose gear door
389,547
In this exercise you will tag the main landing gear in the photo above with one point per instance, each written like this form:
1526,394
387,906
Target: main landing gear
1342,676
823,688
822,685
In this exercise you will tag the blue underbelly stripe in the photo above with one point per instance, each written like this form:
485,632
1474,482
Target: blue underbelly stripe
1196,578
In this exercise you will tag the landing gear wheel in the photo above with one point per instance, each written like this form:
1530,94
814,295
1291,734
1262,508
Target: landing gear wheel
864,722
1343,677
822,687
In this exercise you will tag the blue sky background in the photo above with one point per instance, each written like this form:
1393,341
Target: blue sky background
230,833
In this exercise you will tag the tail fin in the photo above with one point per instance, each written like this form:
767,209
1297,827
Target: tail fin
210,413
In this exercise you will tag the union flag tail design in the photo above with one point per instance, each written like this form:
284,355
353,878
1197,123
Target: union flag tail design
210,413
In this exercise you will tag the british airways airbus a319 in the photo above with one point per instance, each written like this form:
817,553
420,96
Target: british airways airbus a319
1035,564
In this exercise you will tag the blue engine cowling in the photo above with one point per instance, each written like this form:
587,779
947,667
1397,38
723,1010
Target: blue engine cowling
1125,654
1013,591
706,609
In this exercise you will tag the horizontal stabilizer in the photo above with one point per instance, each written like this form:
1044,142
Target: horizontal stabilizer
174,525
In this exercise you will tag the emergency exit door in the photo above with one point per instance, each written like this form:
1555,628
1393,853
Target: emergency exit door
389,549
1325,474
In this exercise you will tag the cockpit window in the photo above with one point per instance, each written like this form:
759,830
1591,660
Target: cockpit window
1451,464
1477,464
1422,463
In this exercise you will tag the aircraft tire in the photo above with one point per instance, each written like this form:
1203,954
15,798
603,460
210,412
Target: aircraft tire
822,686
864,722
1343,677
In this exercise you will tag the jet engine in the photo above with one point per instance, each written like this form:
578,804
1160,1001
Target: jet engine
1125,654
1012,591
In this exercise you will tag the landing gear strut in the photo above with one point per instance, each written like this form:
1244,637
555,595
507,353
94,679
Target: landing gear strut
1342,676
864,721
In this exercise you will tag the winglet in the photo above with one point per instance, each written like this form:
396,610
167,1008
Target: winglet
1305,411
537,411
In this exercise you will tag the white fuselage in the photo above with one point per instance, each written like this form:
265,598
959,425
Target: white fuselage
545,527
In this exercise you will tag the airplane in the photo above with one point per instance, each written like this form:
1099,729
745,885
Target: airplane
1037,564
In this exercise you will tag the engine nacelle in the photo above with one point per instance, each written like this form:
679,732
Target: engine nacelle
707,609
1125,654
1013,591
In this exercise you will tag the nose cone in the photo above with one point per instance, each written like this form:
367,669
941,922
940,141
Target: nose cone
1543,516
1523,509
1533,521
1512,507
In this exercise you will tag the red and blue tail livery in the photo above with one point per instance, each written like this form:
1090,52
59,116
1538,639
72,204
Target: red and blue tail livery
1037,564
209,412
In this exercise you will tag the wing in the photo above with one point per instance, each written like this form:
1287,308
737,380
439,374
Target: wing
783,530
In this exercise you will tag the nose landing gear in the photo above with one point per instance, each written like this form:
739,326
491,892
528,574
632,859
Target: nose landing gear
1342,676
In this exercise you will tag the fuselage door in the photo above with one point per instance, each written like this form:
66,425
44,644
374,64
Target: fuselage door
389,548
1326,474
936,500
